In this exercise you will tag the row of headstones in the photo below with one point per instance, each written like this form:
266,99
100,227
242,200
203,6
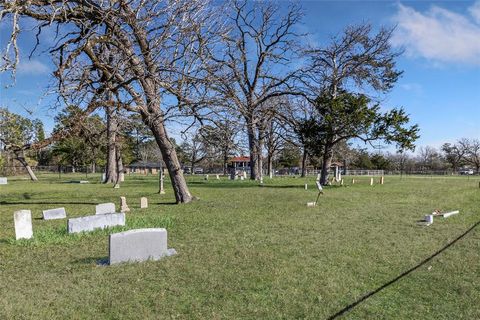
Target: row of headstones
105,216
217,176
372,181
129,246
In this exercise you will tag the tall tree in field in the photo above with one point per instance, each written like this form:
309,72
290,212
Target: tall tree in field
355,61
151,42
454,155
350,116
471,152
254,65
16,134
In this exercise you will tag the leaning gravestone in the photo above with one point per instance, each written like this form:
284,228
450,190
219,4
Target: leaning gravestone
3,180
143,203
23,224
103,208
99,221
139,245
58,213
319,186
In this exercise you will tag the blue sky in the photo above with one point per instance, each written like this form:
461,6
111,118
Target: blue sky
440,87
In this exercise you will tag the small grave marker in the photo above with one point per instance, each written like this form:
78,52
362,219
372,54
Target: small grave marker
104,208
123,205
311,204
382,180
217,177
306,186
52,214
3,180
143,203
23,224
371,181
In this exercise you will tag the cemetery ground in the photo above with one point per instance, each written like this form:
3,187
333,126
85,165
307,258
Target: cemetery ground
246,251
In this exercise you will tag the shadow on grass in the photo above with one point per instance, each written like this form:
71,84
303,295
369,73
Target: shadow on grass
399,277
92,260
44,202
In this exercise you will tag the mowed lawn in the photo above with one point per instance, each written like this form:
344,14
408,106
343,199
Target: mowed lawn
248,252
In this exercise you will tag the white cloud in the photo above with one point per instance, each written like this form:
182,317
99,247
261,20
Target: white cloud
32,67
475,11
439,34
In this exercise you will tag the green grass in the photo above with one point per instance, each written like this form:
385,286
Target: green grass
247,252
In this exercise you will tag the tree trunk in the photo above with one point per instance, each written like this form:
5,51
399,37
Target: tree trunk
119,164
179,185
327,162
260,158
19,155
270,165
304,163
111,166
225,163
252,145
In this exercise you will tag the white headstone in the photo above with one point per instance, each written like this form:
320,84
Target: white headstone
371,181
206,177
23,224
139,245
311,204
104,208
122,177
218,177
143,203
3,180
319,186
104,177
58,213
100,221
244,174
123,205
306,186
318,177
242,178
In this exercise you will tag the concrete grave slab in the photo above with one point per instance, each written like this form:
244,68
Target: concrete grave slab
104,208
52,214
138,245
23,224
99,221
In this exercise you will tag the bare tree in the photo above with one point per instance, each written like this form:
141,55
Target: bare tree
471,152
254,65
148,39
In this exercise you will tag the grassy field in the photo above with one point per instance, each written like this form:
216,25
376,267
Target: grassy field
248,252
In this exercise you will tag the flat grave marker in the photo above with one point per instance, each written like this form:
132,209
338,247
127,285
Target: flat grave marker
104,208
52,214
99,221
